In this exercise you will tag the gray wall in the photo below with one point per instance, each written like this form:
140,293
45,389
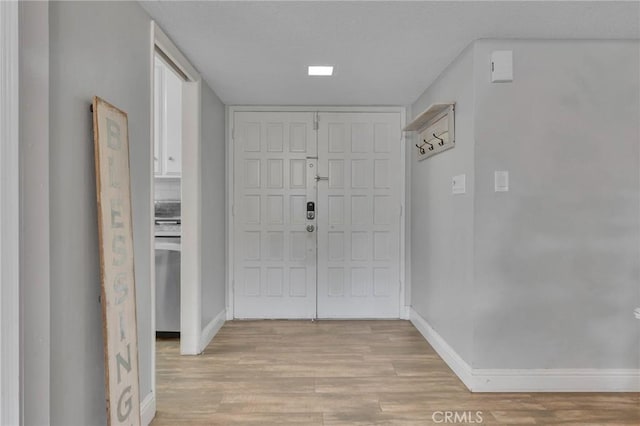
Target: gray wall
442,223
96,49
551,274
34,211
557,259
213,205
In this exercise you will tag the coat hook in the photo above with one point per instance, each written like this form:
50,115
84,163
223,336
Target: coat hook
441,143
430,144
422,151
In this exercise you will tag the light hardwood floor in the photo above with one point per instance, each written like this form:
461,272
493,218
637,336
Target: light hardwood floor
345,373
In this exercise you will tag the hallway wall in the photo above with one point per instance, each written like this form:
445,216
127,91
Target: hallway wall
442,223
34,211
213,205
544,276
96,49
102,48
557,260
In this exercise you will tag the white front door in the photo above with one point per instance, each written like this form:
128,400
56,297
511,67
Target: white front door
343,263
275,255
359,215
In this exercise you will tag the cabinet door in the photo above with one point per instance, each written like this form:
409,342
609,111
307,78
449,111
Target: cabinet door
172,124
158,117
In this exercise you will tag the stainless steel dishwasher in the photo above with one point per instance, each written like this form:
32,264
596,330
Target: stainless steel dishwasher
167,256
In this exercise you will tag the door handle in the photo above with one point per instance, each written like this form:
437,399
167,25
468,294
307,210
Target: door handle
310,228
318,177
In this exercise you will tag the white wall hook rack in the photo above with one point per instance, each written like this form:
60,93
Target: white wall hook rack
436,129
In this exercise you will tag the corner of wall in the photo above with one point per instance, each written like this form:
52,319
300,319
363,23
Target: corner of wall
408,138
476,64
435,278
527,380
212,329
459,366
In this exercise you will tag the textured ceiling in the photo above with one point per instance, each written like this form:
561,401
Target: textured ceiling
385,52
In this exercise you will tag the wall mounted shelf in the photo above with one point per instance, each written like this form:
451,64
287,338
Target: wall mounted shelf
436,127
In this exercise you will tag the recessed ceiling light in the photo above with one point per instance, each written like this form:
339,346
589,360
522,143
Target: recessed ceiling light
321,70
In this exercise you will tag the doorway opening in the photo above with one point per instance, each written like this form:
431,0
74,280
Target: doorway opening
174,204
167,97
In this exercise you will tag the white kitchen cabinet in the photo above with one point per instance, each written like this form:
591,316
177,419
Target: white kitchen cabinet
168,121
158,102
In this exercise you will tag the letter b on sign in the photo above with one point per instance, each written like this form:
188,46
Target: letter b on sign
113,134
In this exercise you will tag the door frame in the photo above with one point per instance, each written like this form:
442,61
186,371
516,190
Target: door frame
230,116
190,258
10,347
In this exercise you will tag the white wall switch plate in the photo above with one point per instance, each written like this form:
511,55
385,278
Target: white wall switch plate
501,66
501,179
459,184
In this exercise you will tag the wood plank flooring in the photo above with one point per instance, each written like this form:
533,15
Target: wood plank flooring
346,373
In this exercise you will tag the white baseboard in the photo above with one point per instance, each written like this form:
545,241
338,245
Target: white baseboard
148,409
189,343
446,352
229,314
405,312
556,380
212,329
528,380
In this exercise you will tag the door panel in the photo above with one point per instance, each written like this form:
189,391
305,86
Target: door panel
359,215
275,255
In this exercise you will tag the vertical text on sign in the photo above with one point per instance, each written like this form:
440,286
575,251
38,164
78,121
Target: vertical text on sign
120,283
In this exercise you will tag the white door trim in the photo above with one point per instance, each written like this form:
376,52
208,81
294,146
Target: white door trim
230,112
191,229
190,259
9,215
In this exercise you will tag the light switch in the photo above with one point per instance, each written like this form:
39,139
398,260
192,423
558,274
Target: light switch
501,181
459,184
501,66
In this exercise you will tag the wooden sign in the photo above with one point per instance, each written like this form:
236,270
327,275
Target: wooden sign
111,142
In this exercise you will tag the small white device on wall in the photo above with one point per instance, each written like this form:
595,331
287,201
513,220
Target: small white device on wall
436,129
459,184
501,181
501,66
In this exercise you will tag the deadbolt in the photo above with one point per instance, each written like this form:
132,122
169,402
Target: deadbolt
311,210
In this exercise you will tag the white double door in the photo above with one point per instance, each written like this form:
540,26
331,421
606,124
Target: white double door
342,261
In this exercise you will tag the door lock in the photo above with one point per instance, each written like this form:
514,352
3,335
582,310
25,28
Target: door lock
310,228
311,210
